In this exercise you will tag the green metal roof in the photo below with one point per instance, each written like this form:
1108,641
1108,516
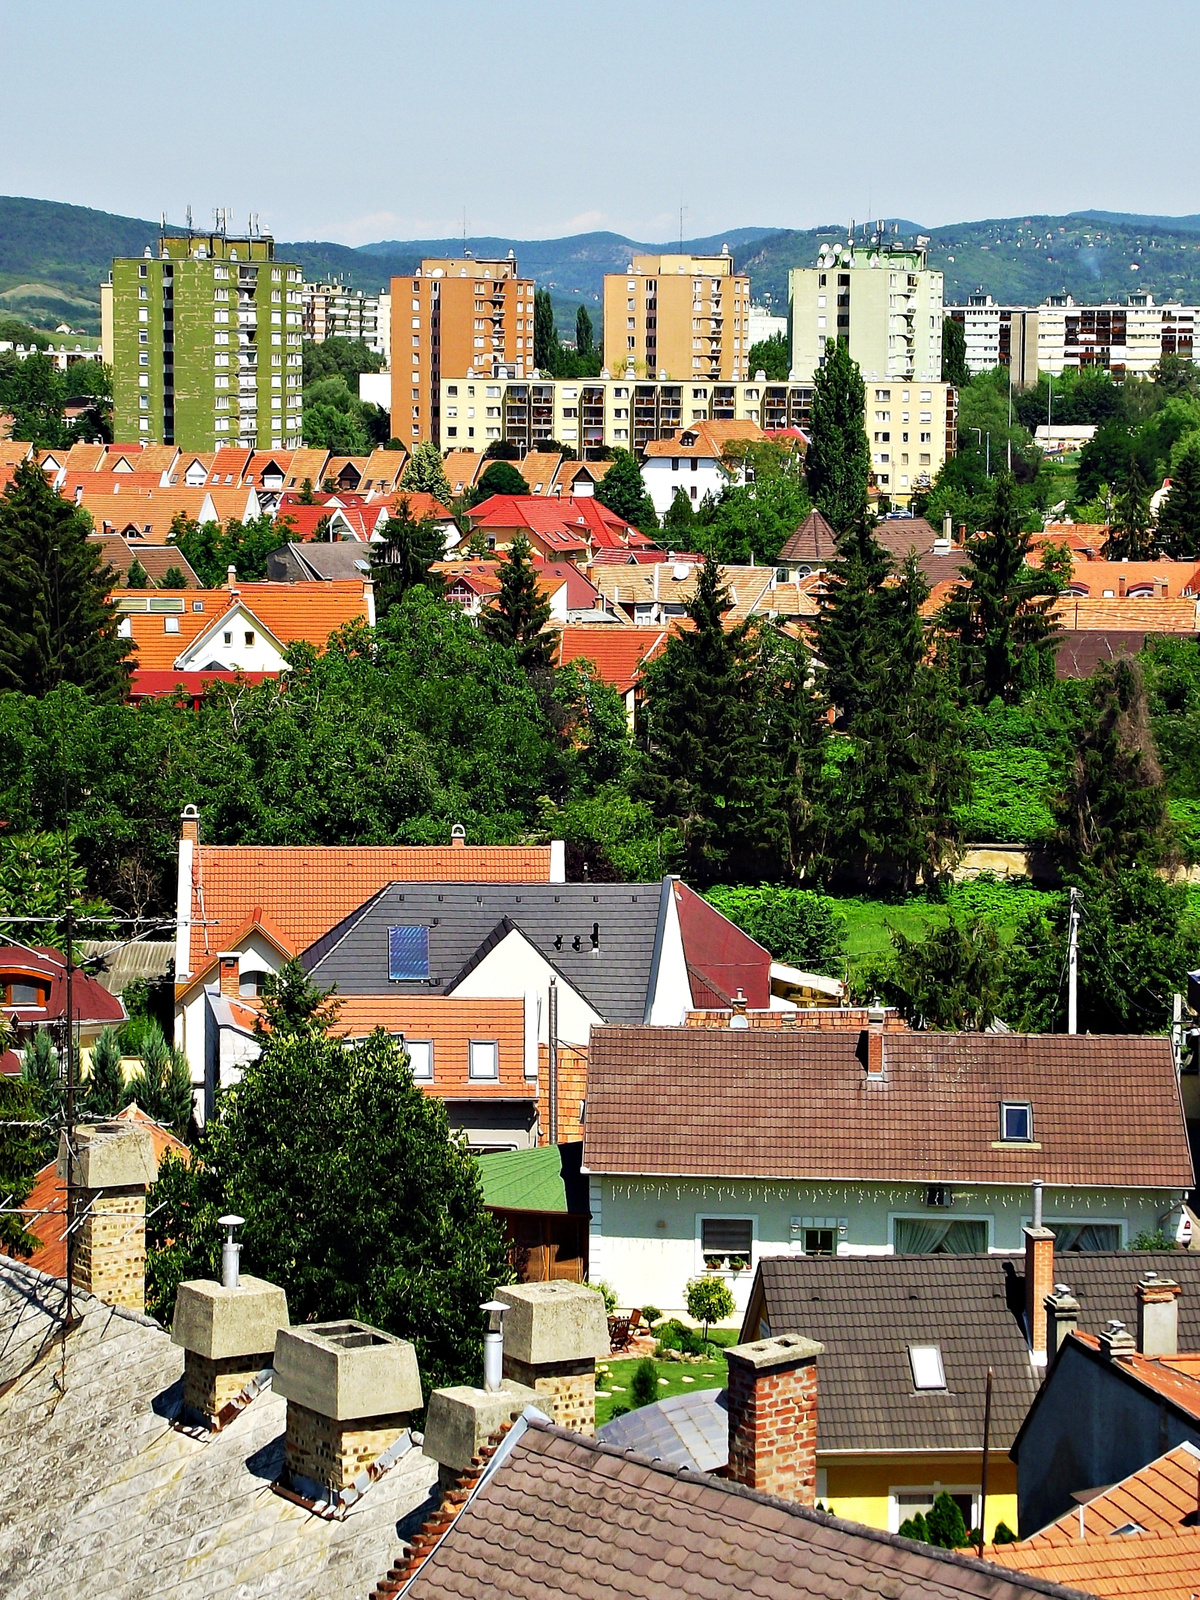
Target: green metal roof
546,1178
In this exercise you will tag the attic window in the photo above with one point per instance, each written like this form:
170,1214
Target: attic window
1016,1121
420,1058
408,953
21,991
927,1369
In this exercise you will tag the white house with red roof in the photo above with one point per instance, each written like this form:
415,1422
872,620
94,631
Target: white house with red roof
571,527
695,462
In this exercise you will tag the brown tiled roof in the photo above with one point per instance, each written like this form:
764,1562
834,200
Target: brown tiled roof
306,889
561,1514
797,1105
710,439
814,540
156,559
1077,655
306,463
1149,615
290,612
1084,1547
867,1310
539,468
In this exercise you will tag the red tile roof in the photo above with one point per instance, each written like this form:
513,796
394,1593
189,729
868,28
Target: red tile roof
91,1002
798,1105
1150,615
289,612
450,1024
305,889
420,505
617,653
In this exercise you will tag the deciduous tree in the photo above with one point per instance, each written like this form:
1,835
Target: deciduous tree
424,473
623,490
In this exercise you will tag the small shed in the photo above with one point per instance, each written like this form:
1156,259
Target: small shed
540,1198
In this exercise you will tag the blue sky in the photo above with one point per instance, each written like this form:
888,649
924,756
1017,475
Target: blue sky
387,120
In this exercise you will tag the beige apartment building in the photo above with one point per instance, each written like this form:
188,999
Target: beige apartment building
880,299
457,319
1121,339
678,316
912,428
999,336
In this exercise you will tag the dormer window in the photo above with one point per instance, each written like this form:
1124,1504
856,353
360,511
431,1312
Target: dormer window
926,1363
19,990
1016,1121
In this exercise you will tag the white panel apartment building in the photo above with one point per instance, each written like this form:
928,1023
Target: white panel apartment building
878,298
1060,334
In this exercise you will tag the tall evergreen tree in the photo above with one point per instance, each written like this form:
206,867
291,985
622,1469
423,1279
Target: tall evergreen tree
849,636
710,774
545,335
520,613
56,623
137,577
424,473
1112,809
1000,612
404,556
623,490
583,332
954,354
1131,536
908,773
499,477
838,461
106,1082
1179,514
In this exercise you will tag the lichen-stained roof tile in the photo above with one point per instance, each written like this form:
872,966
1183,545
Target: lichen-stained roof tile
114,1502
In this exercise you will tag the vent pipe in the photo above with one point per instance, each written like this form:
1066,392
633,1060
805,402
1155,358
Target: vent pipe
231,1253
493,1345
552,1060
1037,1202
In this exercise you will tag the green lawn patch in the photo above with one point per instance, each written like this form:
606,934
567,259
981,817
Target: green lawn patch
612,1385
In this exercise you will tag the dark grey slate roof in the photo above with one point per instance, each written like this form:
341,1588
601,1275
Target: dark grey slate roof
685,1430
465,920
313,561
867,1310
106,1498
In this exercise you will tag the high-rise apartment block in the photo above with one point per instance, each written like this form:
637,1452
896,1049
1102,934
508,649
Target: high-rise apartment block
999,336
880,299
1126,339
205,337
331,311
454,319
677,317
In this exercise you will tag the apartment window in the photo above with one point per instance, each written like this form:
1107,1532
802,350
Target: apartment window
933,1236
821,279
420,1058
144,358
927,1369
483,1059
883,394
926,396
142,269
408,952
452,389
1016,1121
843,280
926,438
819,1242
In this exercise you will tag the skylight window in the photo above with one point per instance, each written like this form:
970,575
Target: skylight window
408,953
1016,1121
927,1369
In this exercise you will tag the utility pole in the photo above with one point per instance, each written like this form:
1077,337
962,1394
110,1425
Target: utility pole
69,921
1073,965
987,1430
1010,419
552,1059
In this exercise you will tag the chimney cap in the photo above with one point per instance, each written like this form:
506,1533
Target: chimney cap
785,1350
555,1321
346,1370
109,1155
217,1323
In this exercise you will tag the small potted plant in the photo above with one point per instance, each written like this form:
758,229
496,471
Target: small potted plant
738,1263
714,1263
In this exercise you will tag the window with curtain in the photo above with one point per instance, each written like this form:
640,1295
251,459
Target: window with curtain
935,1236
1086,1235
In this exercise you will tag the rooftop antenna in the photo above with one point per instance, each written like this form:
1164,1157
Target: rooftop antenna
189,219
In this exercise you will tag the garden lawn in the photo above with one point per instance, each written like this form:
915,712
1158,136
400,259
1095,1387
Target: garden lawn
707,1374
868,921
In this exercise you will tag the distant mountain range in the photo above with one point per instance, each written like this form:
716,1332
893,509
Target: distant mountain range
53,258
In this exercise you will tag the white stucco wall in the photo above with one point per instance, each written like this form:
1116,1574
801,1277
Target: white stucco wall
645,1232
672,990
513,970
661,481
260,656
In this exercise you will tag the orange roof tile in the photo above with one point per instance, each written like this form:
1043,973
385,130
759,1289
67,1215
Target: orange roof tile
420,505
383,469
450,1024
83,457
289,612
709,439
462,468
1150,615
49,1195
305,889
308,464
617,653
110,483
540,468
1098,580
13,451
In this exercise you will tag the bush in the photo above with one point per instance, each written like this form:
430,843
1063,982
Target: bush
1009,797
643,1387
1152,1239
676,1335
914,1528
651,1314
945,1523
1003,1534
609,1293
797,926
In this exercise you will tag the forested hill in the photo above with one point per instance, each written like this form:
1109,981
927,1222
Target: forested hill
53,257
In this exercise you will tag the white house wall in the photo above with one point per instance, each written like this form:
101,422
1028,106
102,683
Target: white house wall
514,969
237,655
661,482
672,991
645,1232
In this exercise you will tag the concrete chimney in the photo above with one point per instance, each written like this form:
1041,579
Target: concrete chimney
1116,1341
229,967
873,1035
461,1420
772,1398
351,1390
554,1333
458,837
228,1339
948,528
1158,1315
1062,1319
1039,1281
113,1166
230,575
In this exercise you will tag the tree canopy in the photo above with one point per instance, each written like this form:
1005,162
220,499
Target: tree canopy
837,463
623,490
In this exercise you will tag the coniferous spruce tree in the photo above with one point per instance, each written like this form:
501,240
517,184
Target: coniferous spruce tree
1179,515
1131,536
403,557
849,637
954,354
519,613
1000,612
106,1081
837,464
56,623
137,577
583,332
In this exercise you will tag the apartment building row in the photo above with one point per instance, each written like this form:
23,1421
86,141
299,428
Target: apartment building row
912,427
203,332
333,311
1127,338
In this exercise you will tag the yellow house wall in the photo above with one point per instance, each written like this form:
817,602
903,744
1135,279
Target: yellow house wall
860,1488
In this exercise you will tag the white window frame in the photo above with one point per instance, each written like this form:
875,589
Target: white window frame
426,1075
483,1077
726,1216
1016,1105
898,1514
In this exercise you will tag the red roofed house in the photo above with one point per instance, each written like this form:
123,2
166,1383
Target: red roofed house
33,995
618,654
555,527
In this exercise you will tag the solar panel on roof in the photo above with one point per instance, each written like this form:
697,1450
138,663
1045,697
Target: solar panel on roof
408,953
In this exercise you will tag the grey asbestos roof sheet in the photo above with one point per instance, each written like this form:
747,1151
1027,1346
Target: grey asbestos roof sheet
684,1430
147,958
463,918
867,1310
107,1499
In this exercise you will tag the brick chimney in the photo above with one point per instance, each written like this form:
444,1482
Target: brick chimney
1062,1319
1160,588
351,1391
1121,586
873,1039
553,1335
1039,1278
189,825
1158,1315
112,1168
228,1339
230,575
229,967
772,1398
